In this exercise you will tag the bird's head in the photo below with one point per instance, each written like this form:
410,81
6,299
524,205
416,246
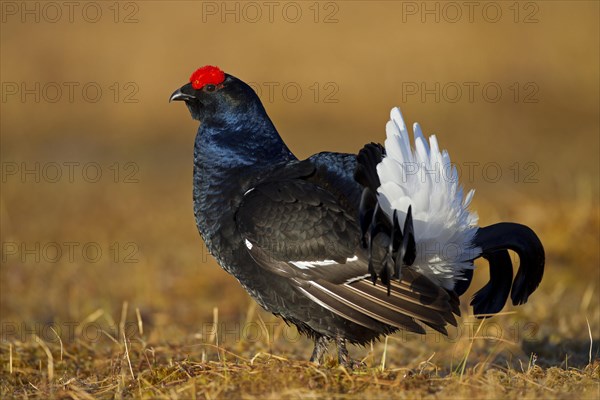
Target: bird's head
213,94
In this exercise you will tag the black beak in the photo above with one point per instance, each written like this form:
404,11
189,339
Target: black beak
178,95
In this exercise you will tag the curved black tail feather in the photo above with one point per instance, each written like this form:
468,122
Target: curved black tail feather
495,241
492,297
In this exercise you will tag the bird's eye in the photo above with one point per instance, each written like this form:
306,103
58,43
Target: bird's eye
210,88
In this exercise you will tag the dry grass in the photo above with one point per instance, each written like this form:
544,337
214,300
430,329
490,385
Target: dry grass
137,368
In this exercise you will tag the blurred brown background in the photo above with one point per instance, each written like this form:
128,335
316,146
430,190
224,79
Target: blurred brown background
351,61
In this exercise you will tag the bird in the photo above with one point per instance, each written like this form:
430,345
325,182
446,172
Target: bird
346,247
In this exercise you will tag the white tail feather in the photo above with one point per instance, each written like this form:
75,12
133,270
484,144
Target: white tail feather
425,179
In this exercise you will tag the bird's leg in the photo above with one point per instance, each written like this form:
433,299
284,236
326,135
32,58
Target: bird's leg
343,358
321,343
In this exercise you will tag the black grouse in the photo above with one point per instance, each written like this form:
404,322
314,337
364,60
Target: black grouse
346,247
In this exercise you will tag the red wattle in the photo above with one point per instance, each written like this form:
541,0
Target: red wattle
207,75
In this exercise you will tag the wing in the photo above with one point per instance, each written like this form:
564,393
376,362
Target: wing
294,219
293,226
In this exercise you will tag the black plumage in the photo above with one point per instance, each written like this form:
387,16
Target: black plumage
309,240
